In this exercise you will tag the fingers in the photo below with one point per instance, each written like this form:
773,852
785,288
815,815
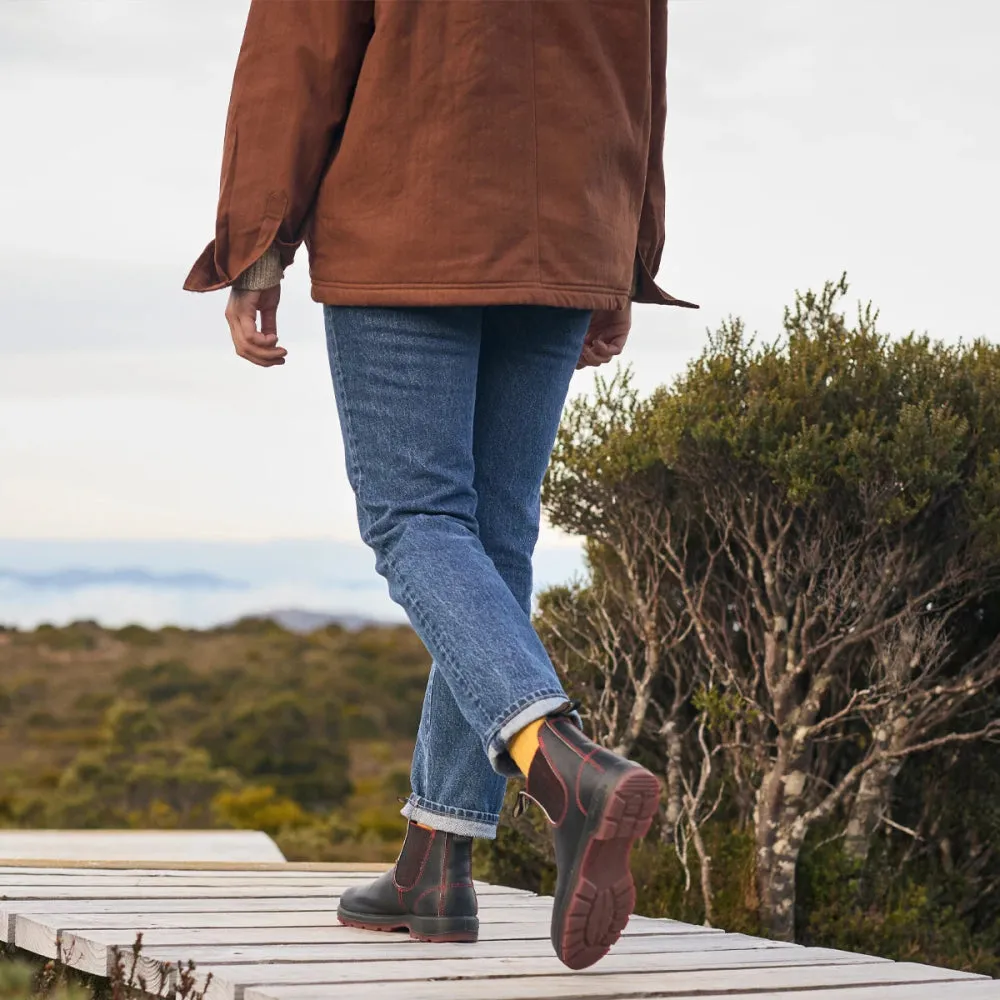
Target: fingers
268,307
606,324
601,346
259,346
595,355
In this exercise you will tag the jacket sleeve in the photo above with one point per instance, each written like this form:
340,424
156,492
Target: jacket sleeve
652,225
295,77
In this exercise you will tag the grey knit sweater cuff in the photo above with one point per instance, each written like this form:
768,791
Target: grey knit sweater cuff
266,272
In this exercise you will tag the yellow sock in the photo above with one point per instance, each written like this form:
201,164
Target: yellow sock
524,745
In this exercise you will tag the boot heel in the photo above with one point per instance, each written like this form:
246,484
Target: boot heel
633,805
457,929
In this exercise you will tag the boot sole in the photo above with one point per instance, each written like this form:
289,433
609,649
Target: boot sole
600,894
432,929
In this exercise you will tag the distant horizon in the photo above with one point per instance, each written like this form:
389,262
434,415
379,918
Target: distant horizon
203,583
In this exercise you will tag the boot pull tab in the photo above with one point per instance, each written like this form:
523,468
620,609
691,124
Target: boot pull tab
520,804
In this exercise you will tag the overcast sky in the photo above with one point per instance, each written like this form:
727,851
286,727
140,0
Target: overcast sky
804,138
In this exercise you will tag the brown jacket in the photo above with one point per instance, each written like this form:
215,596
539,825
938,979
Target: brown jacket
449,152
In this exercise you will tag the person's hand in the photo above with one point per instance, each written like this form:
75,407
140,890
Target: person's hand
259,345
606,336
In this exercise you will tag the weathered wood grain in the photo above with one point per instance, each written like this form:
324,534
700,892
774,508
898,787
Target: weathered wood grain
598,985
270,933
93,951
227,979
988,990
39,933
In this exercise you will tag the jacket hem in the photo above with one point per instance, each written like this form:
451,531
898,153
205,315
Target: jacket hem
338,293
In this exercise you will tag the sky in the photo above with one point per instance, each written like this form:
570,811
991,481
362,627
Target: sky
804,138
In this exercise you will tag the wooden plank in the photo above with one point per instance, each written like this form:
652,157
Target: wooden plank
665,985
39,880
988,990
235,874
207,901
227,979
250,913
133,912
93,952
167,891
255,890
151,845
41,934
137,911
238,867
108,886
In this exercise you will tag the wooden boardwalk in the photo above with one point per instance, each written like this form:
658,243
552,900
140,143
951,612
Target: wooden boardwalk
270,932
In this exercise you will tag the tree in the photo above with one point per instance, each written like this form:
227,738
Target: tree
287,741
815,518
137,776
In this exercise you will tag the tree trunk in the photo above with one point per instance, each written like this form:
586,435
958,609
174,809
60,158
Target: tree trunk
705,872
777,888
675,786
780,832
871,803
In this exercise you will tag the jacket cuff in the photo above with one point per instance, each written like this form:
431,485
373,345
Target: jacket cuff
263,273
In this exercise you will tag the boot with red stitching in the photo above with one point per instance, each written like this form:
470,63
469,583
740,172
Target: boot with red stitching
598,804
428,892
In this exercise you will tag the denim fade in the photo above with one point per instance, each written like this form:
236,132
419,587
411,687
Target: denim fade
448,417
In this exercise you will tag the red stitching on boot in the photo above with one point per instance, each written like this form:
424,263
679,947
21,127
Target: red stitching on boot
426,892
444,876
585,758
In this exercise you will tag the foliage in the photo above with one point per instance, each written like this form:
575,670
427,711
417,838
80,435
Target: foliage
248,726
790,613
20,980
24,976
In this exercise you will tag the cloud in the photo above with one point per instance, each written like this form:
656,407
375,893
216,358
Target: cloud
803,139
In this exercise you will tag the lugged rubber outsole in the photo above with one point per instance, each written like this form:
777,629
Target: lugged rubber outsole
452,935
597,906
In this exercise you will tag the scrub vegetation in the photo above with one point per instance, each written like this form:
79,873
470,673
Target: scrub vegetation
790,613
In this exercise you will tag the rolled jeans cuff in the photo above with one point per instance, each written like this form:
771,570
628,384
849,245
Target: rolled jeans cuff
447,819
540,706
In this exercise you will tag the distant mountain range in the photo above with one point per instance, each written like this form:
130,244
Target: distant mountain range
76,579
198,584
297,620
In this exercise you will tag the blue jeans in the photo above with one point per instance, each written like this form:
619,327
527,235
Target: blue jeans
449,416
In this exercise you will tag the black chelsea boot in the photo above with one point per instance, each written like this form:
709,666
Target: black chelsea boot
428,892
598,804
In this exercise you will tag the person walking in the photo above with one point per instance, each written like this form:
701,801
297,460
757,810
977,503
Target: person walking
480,187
